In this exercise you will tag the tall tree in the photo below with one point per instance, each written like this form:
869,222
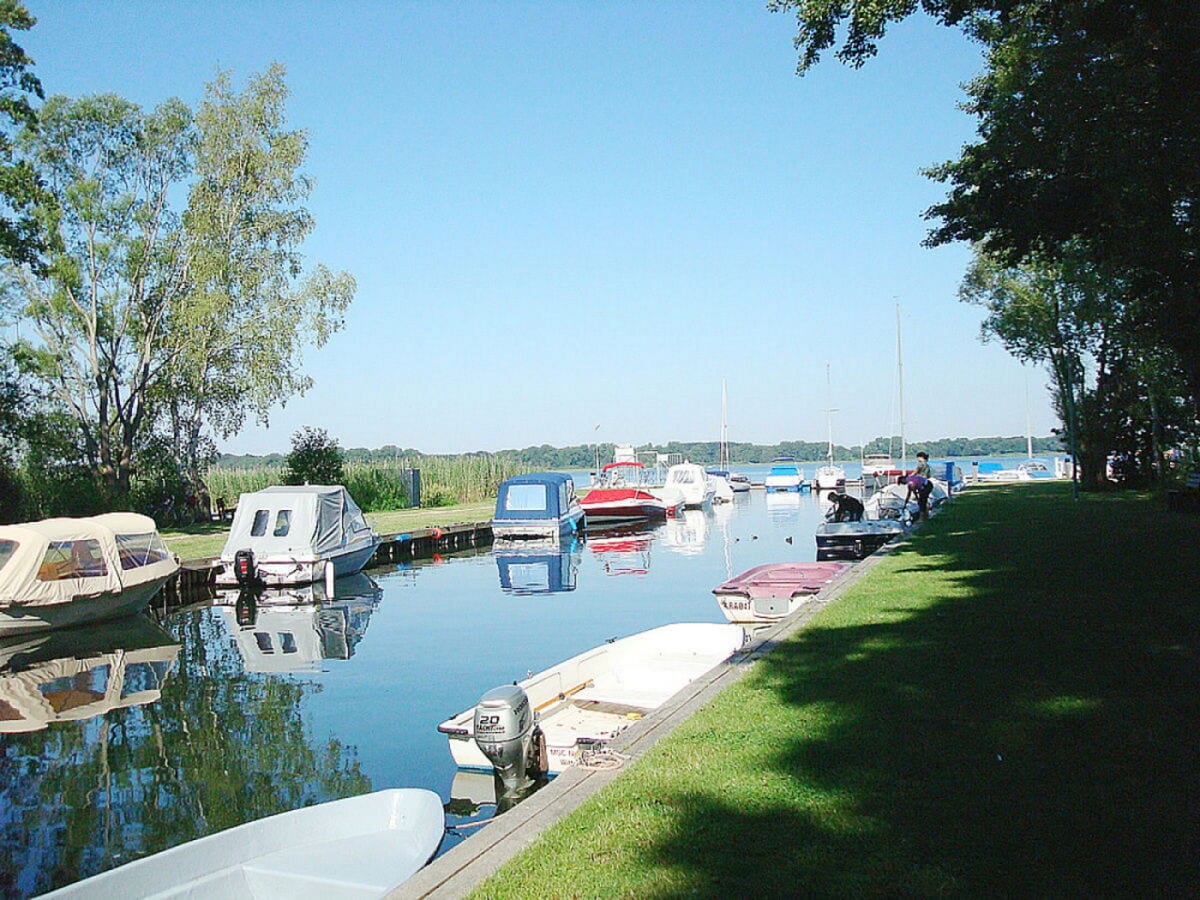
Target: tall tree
248,313
1089,137
116,272
149,318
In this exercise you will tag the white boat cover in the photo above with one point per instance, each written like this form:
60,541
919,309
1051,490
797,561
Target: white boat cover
55,560
310,521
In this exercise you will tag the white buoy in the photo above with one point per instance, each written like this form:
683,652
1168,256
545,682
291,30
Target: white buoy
329,578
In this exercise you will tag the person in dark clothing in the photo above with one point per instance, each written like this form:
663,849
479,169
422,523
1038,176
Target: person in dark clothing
920,487
845,508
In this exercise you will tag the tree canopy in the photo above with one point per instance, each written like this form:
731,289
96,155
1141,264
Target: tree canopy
1088,144
155,326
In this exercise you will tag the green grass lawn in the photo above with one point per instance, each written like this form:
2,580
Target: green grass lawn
201,541
1005,706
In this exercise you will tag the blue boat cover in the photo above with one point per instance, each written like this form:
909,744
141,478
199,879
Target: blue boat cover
541,495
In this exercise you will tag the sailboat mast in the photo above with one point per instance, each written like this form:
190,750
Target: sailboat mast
900,382
829,412
724,450
1028,427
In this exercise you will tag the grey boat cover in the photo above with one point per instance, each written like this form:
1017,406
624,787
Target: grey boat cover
311,521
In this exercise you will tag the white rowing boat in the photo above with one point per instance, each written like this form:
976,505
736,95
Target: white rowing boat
589,699
354,848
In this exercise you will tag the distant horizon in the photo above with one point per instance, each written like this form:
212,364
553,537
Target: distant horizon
653,445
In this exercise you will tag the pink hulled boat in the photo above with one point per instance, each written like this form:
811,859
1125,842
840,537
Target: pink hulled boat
774,591
622,496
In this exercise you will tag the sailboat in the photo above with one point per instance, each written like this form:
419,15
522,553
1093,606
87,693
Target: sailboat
829,476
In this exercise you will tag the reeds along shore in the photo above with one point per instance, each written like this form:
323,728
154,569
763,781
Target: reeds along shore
379,486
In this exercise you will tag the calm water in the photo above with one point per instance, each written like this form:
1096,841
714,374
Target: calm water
123,740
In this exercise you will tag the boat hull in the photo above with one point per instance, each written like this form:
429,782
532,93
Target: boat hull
604,505
539,529
358,847
16,619
853,540
274,571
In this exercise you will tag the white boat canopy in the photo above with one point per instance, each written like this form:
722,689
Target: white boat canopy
304,522
55,560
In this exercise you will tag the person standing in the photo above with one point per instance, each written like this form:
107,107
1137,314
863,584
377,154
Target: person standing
924,471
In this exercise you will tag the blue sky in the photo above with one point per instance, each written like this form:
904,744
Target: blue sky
570,215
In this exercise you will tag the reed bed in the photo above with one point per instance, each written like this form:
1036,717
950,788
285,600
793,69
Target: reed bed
445,481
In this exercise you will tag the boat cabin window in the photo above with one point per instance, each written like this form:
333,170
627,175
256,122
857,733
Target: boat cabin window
138,550
525,498
264,642
7,548
283,523
72,559
261,518
681,476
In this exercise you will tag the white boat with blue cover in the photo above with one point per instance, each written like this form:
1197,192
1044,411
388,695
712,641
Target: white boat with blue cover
537,506
360,847
784,477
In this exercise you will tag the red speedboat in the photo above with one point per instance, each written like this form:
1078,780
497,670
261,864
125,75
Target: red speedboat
770,592
622,496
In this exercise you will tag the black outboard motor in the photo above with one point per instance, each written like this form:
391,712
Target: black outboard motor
504,732
244,569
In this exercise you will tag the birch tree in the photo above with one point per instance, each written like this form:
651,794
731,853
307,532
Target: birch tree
150,319
236,342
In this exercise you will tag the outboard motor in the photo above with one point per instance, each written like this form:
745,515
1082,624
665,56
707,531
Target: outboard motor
504,732
244,569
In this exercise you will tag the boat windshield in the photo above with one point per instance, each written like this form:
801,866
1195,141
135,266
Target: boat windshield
7,548
138,550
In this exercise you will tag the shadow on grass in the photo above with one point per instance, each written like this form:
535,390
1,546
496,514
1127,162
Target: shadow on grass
1025,726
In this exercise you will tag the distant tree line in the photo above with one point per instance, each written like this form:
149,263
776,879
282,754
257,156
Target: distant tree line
584,456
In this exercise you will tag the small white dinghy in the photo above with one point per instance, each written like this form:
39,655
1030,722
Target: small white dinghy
353,848
589,699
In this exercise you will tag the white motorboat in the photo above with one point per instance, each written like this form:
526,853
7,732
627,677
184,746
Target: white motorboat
784,477
292,535
892,503
830,477
692,483
622,494
739,482
588,700
359,847
61,572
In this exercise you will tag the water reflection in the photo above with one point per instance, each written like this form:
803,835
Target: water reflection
623,549
80,673
785,507
294,630
687,532
538,568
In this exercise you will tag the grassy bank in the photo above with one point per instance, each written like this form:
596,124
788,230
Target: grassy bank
1007,706
200,541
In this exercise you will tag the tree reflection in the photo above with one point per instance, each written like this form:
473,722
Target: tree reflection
221,747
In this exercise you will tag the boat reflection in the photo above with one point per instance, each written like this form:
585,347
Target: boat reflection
784,507
294,629
624,549
537,568
687,533
78,673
